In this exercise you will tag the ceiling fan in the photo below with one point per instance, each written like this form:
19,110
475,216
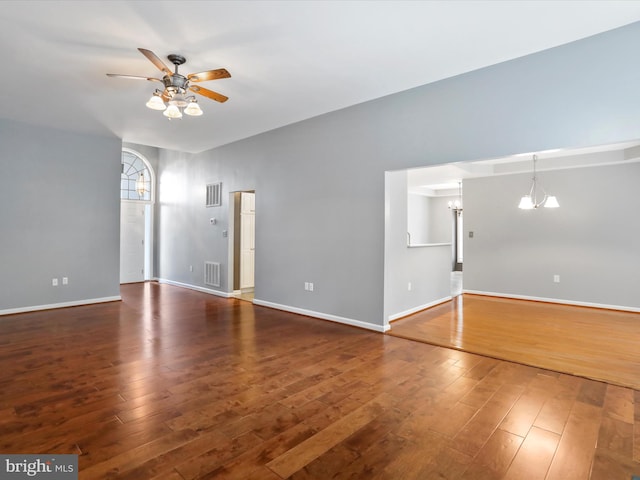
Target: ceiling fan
173,99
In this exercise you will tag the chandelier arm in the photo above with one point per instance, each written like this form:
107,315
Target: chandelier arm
544,198
532,191
531,201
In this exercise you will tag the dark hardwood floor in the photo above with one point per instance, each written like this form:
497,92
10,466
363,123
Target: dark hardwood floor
175,384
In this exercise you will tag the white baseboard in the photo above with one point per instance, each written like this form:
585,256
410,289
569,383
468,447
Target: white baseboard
286,308
419,308
323,316
210,291
555,300
75,303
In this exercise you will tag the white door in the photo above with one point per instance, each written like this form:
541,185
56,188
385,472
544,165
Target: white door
132,225
247,239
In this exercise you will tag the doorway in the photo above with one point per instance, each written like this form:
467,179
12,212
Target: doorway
132,222
244,230
457,248
136,218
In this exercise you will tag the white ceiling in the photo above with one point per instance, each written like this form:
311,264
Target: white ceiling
289,60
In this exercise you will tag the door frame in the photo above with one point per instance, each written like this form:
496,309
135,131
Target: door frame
149,217
233,269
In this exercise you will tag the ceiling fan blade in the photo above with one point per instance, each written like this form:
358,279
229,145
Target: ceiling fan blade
153,58
209,94
134,77
209,75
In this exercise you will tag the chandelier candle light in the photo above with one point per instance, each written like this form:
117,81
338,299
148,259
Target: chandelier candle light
456,205
530,201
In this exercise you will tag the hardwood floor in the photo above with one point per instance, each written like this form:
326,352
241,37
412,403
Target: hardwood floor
174,384
589,342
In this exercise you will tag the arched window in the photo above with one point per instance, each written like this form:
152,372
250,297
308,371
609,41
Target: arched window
135,180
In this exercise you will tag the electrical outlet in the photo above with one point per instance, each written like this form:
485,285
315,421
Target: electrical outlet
556,279
191,268
54,282
65,280
409,286
470,234
306,286
311,286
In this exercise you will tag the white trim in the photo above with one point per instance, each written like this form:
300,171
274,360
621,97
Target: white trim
419,308
555,300
421,245
149,238
51,306
323,316
194,287
286,308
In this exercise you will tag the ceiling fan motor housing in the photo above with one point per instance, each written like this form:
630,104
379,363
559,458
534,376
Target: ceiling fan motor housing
175,83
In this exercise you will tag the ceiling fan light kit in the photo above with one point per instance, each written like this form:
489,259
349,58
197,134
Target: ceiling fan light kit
173,101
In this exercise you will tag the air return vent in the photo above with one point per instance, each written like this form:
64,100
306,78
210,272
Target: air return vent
212,274
214,194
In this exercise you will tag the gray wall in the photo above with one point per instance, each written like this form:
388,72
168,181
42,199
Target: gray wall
591,241
429,219
320,183
442,219
152,154
59,216
427,269
418,224
185,236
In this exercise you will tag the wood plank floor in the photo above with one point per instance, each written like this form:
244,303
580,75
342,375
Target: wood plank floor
594,343
174,384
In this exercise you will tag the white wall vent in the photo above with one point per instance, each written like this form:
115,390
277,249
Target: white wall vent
212,274
214,194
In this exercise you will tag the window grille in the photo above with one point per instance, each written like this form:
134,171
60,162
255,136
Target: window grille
135,178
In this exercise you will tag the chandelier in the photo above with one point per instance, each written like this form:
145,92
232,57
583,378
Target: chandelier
530,200
456,205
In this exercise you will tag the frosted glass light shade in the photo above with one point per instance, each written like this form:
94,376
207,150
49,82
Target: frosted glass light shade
526,203
193,109
156,103
551,202
172,112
